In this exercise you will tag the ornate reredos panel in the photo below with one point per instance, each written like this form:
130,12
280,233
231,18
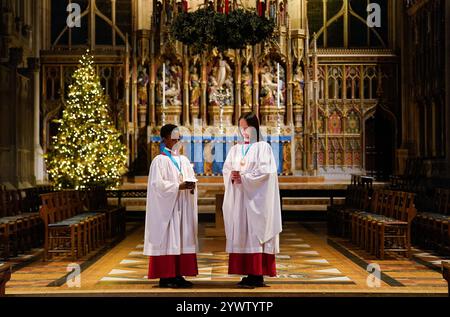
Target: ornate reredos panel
325,96
233,61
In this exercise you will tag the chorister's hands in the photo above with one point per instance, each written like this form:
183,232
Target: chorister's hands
187,186
191,187
236,177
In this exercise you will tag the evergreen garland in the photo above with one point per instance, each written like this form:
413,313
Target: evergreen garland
205,29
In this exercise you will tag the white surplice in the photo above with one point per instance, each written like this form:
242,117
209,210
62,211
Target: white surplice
171,214
251,210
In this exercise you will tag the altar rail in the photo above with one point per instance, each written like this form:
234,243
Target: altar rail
330,191
126,193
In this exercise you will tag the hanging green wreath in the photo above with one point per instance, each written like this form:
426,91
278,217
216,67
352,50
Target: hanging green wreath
204,29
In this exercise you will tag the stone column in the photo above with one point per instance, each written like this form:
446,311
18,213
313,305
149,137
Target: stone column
407,116
204,85
127,96
34,65
15,59
39,167
289,86
186,99
134,100
447,81
307,143
92,26
238,88
256,101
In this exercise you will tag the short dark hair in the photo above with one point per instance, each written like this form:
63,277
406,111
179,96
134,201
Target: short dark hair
252,121
166,131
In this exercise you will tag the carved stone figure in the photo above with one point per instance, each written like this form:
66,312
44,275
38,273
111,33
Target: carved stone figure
194,87
224,73
220,80
247,87
298,84
287,158
213,86
270,86
171,84
282,15
142,85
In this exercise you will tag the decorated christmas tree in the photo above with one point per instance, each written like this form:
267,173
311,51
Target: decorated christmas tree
87,150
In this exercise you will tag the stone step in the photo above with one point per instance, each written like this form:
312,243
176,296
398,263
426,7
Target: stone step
211,201
209,209
205,210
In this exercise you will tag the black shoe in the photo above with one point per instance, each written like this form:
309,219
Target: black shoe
168,283
183,283
245,283
257,281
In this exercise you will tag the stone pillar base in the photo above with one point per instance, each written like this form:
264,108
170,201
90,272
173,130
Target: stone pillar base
214,115
270,116
401,155
172,115
194,113
298,116
39,165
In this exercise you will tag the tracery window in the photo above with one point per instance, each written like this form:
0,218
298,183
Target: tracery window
343,23
111,22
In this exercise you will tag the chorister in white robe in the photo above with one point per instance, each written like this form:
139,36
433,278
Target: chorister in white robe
171,214
251,210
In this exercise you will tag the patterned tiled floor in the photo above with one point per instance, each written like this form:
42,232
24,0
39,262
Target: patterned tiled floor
299,263
430,258
422,270
310,262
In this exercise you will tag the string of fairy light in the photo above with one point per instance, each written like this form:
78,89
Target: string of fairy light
87,149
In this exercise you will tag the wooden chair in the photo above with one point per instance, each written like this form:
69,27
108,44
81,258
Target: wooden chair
95,200
446,274
386,226
95,222
68,228
392,233
5,276
410,180
4,238
5,225
31,234
349,215
335,219
339,217
431,228
15,226
361,219
21,227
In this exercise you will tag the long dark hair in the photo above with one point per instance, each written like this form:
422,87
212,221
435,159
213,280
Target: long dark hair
252,121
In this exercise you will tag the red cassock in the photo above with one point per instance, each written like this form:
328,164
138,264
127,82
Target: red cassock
252,264
166,266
